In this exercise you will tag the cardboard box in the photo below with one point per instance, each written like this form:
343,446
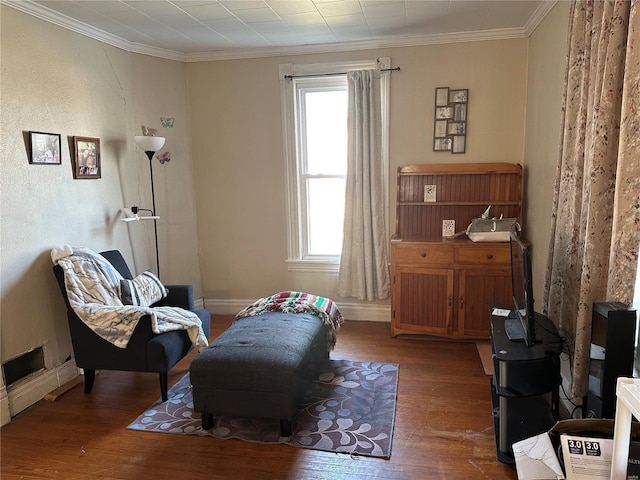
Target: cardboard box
542,458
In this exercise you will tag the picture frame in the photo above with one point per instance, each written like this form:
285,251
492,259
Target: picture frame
457,128
444,113
440,129
458,144
44,148
450,120
442,96
442,144
86,158
459,95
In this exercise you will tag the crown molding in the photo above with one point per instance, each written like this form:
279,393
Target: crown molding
48,15
543,9
409,41
51,16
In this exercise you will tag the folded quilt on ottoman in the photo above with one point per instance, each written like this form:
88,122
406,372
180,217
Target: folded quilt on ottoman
261,366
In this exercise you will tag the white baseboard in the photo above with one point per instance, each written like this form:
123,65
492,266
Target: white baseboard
5,415
25,392
350,311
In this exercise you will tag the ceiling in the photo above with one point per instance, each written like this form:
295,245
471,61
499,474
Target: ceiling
192,30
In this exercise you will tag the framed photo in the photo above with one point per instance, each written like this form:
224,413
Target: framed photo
444,113
86,158
44,148
442,144
440,129
458,96
458,144
460,112
456,128
442,96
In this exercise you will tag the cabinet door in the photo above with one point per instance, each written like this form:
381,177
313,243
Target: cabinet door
422,300
478,290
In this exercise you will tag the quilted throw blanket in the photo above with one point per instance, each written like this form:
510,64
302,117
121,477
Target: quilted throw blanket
93,289
299,302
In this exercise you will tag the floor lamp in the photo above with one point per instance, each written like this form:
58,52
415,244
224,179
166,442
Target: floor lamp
151,145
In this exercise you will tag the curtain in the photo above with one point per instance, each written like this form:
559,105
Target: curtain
593,251
364,263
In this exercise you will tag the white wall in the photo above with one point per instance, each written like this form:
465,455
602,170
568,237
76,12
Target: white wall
239,162
547,64
57,81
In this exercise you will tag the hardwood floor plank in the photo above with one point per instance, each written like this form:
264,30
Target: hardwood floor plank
443,429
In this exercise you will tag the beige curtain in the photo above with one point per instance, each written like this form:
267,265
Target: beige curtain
593,254
364,270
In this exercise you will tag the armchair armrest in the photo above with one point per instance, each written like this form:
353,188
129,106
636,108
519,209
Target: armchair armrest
179,296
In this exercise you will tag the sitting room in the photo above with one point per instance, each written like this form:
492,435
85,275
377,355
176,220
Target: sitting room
162,141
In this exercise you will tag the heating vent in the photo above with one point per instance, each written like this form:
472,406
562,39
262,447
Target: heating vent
23,365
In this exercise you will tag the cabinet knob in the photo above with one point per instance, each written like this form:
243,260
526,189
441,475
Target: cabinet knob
489,256
423,254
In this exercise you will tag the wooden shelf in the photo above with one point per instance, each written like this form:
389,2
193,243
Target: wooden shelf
444,285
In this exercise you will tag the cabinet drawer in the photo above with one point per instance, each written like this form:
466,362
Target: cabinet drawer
425,254
484,255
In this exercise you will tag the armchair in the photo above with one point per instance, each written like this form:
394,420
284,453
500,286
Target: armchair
146,351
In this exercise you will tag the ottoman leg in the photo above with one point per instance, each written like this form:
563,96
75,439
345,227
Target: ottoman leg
207,421
285,428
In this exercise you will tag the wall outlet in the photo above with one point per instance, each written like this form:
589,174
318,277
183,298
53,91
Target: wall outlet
448,228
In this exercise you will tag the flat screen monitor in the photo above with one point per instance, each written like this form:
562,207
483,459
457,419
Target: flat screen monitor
520,326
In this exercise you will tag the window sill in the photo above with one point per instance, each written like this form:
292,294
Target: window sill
322,266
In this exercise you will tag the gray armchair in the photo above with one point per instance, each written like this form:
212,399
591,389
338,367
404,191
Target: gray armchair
146,350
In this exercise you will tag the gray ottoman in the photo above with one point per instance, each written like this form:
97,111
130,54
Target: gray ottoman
261,367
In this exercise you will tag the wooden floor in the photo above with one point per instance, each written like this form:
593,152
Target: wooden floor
443,427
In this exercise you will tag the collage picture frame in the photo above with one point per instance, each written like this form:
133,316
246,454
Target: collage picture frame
450,120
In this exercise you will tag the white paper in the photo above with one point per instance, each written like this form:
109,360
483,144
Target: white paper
536,459
501,312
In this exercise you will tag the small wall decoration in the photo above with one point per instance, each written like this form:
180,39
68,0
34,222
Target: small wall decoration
164,157
166,122
86,158
450,120
44,148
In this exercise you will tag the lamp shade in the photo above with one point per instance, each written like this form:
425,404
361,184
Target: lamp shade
149,144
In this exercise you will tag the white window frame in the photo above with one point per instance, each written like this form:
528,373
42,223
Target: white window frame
295,217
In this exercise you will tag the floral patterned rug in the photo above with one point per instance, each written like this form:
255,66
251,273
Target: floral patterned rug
349,409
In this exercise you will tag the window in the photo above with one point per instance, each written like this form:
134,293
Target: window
314,108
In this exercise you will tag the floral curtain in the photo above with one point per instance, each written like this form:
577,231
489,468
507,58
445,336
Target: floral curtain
593,253
364,263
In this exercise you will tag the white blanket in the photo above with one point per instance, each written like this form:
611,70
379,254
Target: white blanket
93,289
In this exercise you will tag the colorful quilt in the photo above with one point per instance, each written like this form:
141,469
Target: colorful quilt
299,302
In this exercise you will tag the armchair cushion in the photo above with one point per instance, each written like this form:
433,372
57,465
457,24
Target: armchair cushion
143,291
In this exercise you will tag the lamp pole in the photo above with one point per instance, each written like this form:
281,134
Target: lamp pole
153,202
150,145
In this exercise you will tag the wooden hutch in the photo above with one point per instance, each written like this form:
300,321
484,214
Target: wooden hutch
444,286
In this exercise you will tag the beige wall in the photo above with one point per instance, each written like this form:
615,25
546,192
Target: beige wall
57,81
547,61
228,121
238,153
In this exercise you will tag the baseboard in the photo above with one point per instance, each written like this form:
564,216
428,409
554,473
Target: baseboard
350,311
5,415
25,392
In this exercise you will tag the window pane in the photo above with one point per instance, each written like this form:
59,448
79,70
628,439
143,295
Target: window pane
325,215
326,132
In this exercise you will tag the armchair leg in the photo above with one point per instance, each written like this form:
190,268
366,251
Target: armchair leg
89,378
163,385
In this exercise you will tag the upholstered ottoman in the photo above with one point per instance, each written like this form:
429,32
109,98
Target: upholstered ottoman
261,367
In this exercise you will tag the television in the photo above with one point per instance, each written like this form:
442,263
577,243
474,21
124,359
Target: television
520,326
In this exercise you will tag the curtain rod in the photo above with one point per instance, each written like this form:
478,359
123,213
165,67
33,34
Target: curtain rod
289,77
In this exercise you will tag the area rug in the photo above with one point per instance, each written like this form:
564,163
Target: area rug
348,409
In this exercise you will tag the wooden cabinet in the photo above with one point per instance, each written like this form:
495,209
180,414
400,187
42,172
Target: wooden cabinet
443,286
